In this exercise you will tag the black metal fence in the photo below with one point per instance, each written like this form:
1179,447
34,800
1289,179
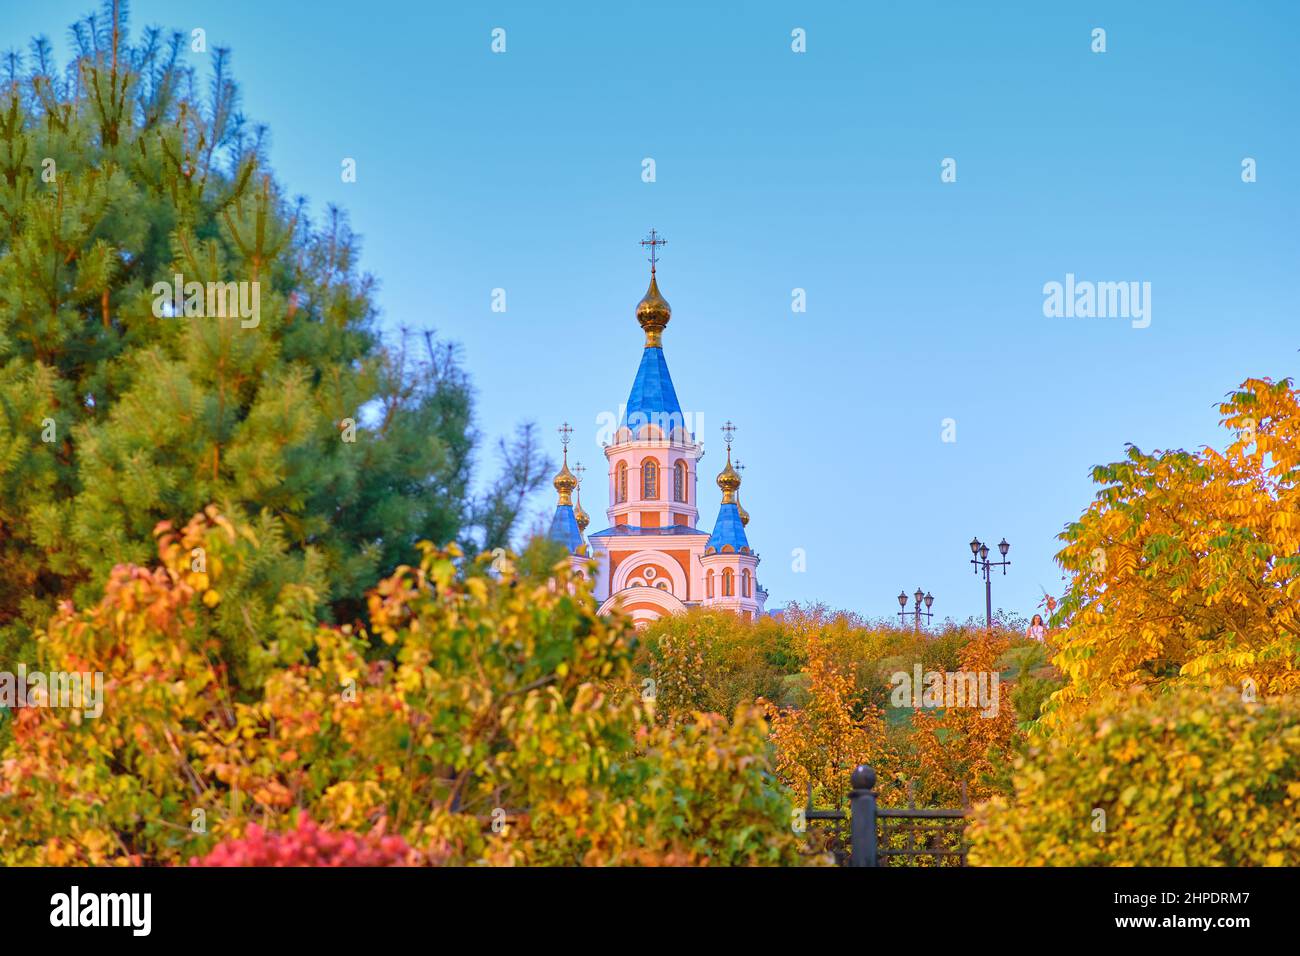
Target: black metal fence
869,835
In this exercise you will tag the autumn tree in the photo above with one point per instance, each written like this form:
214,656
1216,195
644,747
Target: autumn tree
819,743
1186,567
967,750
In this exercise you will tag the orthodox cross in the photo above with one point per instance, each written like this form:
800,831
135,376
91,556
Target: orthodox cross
566,436
728,435
579,470
654,242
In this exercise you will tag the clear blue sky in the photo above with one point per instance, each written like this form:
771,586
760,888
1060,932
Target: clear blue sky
777,170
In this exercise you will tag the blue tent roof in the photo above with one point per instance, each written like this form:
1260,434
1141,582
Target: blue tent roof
728,530
564,530
653,399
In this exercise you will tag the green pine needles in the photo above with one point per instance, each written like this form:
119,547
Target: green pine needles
122,406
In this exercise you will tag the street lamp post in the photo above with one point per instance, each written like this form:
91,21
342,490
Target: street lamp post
981,561
917,612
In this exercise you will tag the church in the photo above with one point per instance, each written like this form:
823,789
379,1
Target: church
654,559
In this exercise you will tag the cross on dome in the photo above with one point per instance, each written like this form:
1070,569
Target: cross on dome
729,478
654,242
740,509
579,469
653,311
564,481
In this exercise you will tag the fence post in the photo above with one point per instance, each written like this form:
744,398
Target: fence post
862,817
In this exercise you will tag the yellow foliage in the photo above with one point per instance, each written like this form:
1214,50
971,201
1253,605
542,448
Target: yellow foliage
963,744
819,744
489,721
1188,778
1187,565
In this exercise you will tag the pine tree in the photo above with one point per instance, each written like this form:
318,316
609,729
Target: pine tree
120,409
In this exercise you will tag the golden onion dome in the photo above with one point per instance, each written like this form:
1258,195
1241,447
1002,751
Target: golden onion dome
744,515
565,482
581,516
729,481
653,312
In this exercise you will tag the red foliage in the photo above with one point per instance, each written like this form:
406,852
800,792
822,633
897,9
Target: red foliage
308,845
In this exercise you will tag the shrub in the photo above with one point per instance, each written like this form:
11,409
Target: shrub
708,795
711,661
477,700
308,845
1188,778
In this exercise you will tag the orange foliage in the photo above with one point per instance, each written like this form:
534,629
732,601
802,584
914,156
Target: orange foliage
820,743
963,744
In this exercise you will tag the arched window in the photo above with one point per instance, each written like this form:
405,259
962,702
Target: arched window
708,584
649,479
620,492
679,481
744,583
728,583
